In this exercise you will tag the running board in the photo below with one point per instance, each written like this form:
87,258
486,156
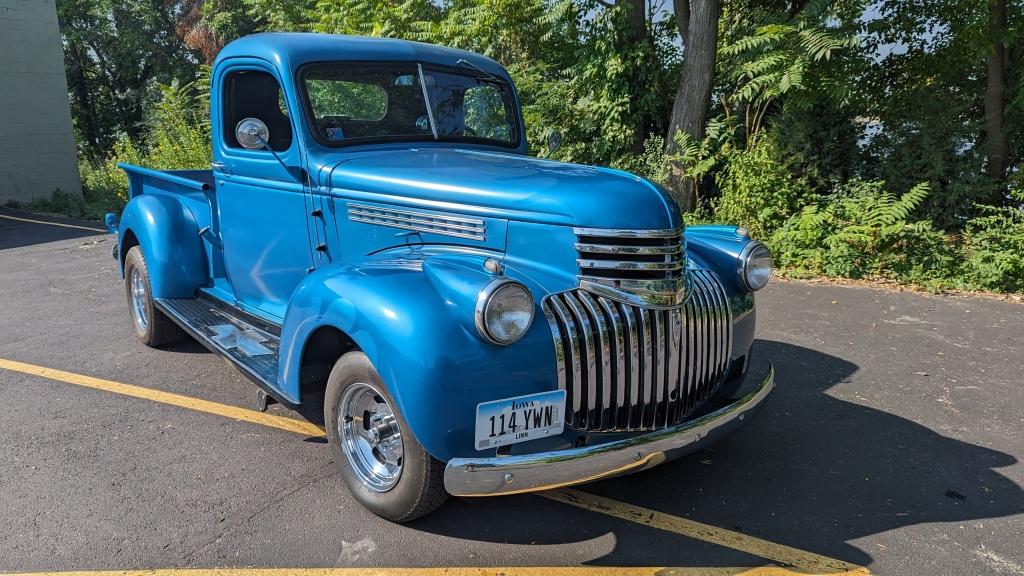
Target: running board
246,342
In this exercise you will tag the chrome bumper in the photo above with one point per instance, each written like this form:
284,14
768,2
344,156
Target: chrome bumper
546,470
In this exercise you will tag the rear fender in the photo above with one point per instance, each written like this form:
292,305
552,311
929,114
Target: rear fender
410,319
167,232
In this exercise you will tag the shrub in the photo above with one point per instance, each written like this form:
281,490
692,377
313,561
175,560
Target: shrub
994,249
758,190
862,230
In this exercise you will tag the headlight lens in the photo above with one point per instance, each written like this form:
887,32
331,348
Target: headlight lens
756,266
504,311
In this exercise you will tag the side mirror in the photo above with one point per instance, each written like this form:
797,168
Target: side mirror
554,142
252,134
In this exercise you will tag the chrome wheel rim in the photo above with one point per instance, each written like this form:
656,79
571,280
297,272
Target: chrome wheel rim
139,297
370,437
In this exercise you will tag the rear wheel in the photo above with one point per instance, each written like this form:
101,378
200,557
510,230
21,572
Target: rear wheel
383,465
151,325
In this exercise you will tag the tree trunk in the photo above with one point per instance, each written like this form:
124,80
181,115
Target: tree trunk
637,35
698,26
995,93
637,20
79,85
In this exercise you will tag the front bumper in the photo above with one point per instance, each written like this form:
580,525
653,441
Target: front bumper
546,470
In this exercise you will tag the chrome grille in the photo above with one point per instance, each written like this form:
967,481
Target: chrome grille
627,368
640,267
457,226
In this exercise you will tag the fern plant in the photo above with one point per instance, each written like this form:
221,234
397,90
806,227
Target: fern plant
863,230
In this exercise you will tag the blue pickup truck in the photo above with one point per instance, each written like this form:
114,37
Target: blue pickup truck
374,236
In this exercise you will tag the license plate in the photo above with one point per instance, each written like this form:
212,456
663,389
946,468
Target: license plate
519,419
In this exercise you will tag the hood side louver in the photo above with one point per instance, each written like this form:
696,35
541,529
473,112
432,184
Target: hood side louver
445,225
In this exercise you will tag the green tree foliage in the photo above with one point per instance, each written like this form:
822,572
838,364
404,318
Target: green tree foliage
116,53
815,104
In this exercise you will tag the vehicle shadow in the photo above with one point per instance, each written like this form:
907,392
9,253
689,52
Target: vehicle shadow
812,471
16,232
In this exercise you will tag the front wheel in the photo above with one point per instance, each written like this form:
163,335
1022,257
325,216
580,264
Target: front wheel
383,465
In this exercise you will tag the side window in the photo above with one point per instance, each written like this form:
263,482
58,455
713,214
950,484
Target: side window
254,94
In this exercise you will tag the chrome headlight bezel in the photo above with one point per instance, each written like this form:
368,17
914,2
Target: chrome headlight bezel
752,251
487,296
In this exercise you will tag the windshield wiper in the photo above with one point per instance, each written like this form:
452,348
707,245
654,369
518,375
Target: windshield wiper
464,62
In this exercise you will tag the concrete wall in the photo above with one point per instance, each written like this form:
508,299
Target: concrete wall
37,144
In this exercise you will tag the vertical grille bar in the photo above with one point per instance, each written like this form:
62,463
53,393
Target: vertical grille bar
647,366
556,337
590,390
635,365
675,364
627,367
575,377
617,331
604,349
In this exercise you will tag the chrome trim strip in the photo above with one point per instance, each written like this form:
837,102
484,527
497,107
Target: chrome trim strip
670,250
506,475
640,297
623,233
626,265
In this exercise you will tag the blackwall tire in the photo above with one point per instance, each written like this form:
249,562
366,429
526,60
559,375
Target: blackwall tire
151,325
361,418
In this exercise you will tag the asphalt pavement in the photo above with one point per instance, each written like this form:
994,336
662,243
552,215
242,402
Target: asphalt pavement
893,441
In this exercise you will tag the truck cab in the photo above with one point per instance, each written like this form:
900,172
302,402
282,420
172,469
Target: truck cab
374,236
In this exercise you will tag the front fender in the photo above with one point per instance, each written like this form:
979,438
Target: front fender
169,236
411,324
718,248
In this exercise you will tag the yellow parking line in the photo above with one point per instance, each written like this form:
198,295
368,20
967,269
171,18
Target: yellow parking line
804,562
455,571
807,562
9,217
226,410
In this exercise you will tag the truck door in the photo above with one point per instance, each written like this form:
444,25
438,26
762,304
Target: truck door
263,206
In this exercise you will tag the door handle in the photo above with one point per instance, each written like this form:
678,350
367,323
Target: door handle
221,167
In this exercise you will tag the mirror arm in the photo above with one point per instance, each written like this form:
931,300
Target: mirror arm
300,177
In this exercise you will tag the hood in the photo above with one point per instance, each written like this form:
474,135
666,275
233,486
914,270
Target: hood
506,186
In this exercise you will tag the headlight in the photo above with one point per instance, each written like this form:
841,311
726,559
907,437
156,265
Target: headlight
504,311
755,266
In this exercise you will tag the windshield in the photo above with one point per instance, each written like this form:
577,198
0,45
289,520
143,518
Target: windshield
358,103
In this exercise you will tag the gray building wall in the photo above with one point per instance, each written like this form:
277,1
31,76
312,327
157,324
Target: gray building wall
37,143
